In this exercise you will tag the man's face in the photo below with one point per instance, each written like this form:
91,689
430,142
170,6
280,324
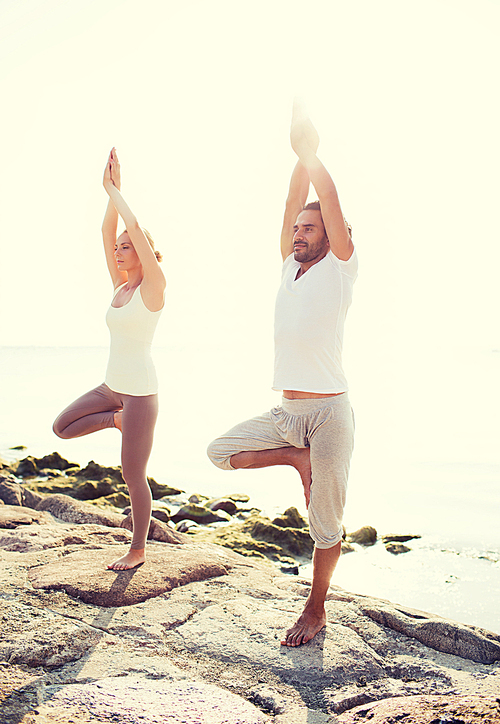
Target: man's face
310,242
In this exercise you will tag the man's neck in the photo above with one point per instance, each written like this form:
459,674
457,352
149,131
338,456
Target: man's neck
305,266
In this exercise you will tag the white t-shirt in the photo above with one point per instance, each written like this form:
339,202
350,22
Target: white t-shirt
309,325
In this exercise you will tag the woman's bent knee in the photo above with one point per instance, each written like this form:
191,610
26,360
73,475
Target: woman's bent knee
59,430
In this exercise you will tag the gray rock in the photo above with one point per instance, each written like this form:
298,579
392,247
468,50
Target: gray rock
268,699
389,538
437,633
158,530
184,526
76,511
396,548
29,538
11,492
84,574
224,630
92,490
200,514
55,462
42,638
365,536
197,499
346,548
239,497
159,490
226,504
160,514
291,570
94,471
132,699
291,518
293,541
13,516
426,710
27,467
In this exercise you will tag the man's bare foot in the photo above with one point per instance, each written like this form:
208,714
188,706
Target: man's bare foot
305,628
117,419
300,459
130,560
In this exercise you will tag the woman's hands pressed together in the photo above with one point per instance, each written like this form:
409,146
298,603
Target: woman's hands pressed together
112,176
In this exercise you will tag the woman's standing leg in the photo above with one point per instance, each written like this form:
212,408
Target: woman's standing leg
91,412
138,424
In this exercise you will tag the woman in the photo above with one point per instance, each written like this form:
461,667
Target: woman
128,397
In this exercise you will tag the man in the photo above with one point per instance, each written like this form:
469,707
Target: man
313,429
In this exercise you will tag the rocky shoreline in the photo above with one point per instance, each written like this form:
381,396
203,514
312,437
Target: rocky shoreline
227,521
193,635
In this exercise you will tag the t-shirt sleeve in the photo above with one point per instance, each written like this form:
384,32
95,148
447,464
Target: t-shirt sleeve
349,267
287,264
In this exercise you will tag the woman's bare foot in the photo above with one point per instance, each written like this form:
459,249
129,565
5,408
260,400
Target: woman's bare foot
305,628
130,560
117,419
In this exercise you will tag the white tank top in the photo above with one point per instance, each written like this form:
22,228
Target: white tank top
132,327
309,325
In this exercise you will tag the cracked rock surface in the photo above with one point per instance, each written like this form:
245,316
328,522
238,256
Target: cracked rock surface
193,636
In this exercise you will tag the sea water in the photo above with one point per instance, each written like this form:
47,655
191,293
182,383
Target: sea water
429,472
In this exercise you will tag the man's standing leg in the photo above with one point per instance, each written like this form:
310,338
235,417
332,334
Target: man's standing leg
331,447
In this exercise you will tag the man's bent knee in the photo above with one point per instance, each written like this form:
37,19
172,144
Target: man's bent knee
219,456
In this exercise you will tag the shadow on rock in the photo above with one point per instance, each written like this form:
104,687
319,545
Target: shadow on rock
84,575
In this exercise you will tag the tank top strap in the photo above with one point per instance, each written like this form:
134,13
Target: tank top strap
117,290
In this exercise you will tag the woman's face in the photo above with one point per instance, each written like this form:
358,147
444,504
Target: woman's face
125,254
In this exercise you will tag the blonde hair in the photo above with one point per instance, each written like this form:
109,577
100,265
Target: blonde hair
148,236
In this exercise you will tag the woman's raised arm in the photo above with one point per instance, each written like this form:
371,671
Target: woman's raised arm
109,227
153,284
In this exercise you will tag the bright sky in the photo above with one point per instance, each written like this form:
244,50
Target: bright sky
196,96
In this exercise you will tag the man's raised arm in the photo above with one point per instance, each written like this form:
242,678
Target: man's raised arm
333,218
297,194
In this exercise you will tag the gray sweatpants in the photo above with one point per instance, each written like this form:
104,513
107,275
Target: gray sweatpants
95,411
326,426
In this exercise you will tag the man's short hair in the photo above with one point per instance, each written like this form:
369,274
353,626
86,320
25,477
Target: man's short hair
316,206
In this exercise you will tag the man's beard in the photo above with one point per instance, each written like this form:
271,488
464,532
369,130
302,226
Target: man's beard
308,253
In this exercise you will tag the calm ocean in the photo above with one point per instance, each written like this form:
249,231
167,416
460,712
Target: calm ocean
429,472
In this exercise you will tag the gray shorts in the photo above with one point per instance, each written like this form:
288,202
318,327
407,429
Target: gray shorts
326,426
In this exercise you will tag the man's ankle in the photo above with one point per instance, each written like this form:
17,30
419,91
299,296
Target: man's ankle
315,606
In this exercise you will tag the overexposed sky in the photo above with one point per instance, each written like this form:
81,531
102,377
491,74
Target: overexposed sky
196,97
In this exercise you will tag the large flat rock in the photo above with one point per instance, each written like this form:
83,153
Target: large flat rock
13,516
469,642
196,615
131,700
76,511
42,638
84,574
426,710
29,538
248,630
